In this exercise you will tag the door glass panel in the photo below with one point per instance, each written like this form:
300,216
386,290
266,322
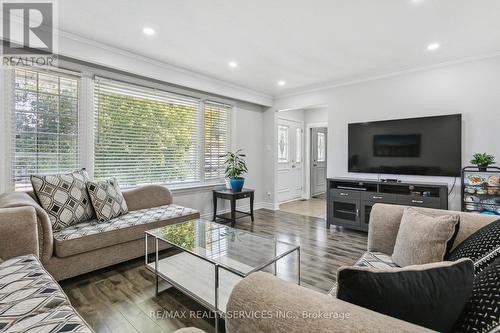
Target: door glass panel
282,144
298,148
345,211
321,147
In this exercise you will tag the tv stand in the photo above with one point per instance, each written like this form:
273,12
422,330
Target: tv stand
350,200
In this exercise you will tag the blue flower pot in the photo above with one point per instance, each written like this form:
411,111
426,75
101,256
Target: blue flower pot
237,184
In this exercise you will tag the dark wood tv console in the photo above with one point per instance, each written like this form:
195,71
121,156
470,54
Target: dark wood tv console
350,200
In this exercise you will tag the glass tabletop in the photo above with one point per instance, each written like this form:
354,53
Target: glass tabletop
239,251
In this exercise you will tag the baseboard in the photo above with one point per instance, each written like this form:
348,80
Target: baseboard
257,205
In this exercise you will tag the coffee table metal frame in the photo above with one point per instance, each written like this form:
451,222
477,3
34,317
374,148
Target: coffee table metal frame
217,266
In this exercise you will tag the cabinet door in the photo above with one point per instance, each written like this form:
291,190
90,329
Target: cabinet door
346,212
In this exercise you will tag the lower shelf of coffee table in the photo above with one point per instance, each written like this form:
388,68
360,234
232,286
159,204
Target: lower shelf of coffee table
196,278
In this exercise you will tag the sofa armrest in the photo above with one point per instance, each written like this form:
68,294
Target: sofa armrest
18,232
383,227
264,303
44,226
147,196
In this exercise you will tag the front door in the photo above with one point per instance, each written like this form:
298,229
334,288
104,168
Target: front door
290,160
318,160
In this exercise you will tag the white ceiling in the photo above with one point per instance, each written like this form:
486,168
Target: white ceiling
305,43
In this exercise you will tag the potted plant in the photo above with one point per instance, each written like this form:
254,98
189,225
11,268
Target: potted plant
235,169
483,160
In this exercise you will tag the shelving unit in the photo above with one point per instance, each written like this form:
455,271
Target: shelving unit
481,190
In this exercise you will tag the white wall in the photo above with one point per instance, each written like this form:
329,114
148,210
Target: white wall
247,135
316,115
472,89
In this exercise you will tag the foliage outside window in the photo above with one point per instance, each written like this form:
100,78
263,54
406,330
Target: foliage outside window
140,135
45,124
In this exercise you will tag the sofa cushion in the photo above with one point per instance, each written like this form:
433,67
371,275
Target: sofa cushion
483,247
481,313
430,295
377,260
107,199
92,235
64,197
424,239
31,300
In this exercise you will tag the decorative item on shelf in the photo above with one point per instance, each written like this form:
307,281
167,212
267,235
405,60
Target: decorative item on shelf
235,168
483,160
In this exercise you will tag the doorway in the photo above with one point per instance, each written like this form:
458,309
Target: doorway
318,151
290,170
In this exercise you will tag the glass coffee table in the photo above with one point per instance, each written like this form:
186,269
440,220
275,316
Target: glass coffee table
213,259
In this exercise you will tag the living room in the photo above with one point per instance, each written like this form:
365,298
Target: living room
250,166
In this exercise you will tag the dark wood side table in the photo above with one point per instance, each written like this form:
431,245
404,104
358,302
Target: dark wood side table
234,214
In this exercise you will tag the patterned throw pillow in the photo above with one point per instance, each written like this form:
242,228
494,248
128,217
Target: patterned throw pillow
481,311
64,197
483,247
107,199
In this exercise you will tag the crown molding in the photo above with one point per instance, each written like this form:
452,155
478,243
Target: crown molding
353,81
260,97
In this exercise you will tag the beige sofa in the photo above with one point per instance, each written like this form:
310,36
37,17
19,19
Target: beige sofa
31,300
89,246
290,308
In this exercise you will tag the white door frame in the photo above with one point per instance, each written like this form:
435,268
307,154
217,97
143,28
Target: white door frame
307,179
276,169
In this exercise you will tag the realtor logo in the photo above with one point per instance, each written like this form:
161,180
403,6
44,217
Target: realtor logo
28,33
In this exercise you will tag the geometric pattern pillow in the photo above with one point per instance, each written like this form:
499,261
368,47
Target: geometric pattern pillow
482,311
32,301
64,197
482,247
107,199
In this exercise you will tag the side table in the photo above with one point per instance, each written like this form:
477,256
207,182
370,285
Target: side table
234,214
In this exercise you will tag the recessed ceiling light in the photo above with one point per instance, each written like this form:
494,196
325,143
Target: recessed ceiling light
417,1
433,46
233,64
281,83
148,31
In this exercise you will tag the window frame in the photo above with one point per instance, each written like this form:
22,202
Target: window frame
9,91
86,118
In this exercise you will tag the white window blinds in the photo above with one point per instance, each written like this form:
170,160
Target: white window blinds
143,135
217,124
44,124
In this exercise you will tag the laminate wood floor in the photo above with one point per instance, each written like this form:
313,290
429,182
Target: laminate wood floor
122,298
314,207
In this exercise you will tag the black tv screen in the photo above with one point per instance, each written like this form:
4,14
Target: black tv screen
430,146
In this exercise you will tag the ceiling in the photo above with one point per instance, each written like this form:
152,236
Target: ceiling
305,43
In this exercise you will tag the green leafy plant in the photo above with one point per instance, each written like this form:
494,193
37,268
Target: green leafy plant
235,164
483,159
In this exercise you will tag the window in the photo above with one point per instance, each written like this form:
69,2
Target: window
135,133
321,147
144,135
216,118
282,144
298,148
45,124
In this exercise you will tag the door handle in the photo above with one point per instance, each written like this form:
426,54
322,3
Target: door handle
418,201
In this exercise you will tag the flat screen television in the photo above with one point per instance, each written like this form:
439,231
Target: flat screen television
430,146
